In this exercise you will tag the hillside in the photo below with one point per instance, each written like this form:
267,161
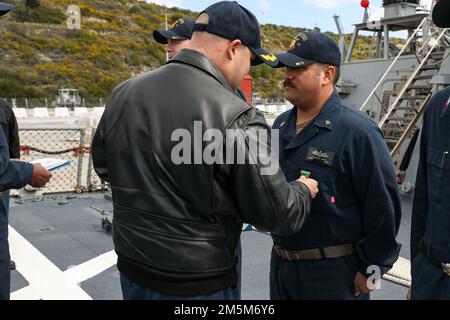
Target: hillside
40,54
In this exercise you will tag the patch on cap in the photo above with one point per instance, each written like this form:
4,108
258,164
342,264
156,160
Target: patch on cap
298,40
177,23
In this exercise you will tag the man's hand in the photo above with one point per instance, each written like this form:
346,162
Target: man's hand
40,176
401,175
311,184
361,286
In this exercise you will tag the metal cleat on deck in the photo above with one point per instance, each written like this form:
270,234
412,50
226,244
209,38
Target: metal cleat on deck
31,194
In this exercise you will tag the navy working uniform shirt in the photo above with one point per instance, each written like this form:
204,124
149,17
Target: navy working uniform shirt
431,208
9,125
12,175
358,200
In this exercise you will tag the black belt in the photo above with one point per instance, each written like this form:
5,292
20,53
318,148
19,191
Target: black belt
316,253
433,258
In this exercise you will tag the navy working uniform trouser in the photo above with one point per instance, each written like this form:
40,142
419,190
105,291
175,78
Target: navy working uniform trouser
325,279
4,254
429,282
237,294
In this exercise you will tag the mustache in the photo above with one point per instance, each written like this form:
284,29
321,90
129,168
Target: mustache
288,83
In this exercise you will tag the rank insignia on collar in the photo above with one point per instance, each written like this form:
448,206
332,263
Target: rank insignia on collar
328,122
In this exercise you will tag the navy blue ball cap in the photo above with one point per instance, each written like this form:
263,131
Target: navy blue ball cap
4,8
310,47
180,30
441,13
230,20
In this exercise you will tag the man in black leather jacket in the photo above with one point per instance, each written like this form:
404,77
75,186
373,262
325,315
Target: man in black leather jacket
176,221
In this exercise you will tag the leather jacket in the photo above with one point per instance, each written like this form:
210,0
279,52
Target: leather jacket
186,218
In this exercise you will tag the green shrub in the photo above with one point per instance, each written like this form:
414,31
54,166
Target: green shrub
13,88
135,10
40,14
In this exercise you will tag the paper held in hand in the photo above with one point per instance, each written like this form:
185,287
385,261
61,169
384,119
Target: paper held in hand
51,164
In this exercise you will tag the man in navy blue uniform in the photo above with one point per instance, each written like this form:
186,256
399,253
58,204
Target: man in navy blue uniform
350,235
430,226
13,174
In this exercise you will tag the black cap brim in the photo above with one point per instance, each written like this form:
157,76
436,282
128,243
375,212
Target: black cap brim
292,61
161,36
262,56
4,8
441,14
